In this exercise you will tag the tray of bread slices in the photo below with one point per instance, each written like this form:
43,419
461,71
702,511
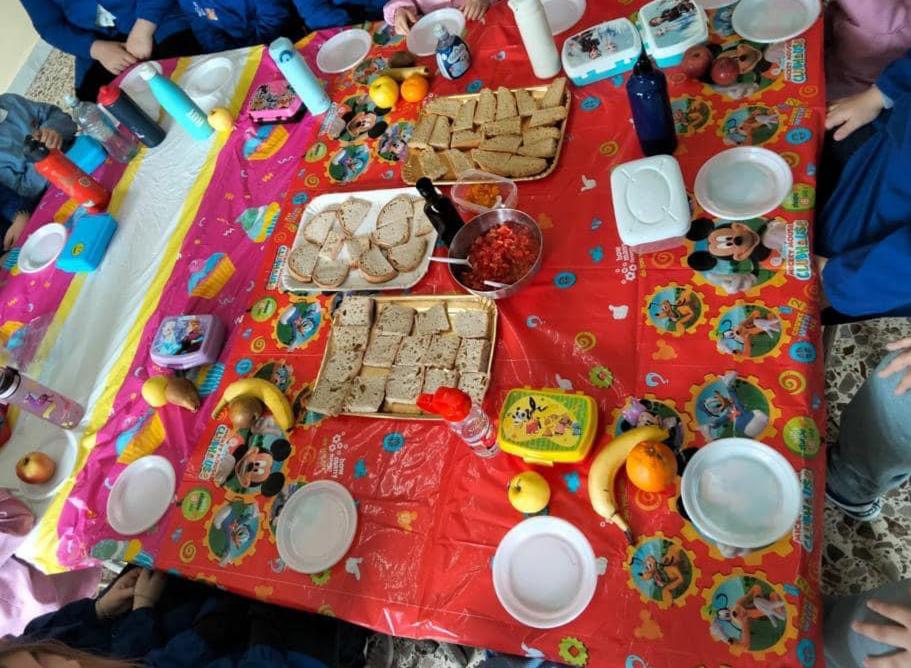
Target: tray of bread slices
367,240
510,132
385,351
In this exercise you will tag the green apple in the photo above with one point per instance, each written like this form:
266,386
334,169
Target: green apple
529,492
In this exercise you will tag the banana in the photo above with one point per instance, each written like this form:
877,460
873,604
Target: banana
402,73
274,399
603,473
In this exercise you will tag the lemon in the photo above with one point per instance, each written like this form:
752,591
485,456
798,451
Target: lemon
153,391
221,120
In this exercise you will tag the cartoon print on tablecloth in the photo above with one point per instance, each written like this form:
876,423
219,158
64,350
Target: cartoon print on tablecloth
753,125
277,371
209,276
298,324
232,532
392,147
691,115
661,570
749,614
730,405
760,66
651,411
109,549
573,651
348,163
196,504
264,141
141,436
254,461
303,417
674,309
357,117
721,21
748,330
277,504
385,34
259,221
367,70
801,198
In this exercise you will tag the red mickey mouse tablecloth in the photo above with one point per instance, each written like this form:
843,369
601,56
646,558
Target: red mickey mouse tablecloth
715,338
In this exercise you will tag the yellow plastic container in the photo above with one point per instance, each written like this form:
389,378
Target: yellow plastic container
547,425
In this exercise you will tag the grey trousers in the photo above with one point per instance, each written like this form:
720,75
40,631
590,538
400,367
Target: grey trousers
873,454
843,647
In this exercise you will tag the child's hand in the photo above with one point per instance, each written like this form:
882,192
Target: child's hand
897,634
901,362
474,10
118,598
854,112
148,589
404,19
139,41
112,55
15,230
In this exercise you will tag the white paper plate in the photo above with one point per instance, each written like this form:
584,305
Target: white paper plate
59,444
544,572
343,51
563,14
316,527
141,495
714,4
42,248
743,183
209,77
421,41
773,20
138,90
741,493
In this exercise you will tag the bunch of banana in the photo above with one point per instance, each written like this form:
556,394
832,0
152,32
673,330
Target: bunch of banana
603,473
268,393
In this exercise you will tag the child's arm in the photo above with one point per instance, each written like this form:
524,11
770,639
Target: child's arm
50,22
319,14
895,81
272,19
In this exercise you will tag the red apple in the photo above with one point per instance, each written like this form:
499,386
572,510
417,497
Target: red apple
35,468
696,61
725,71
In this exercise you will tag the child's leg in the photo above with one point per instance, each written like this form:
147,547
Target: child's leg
873,453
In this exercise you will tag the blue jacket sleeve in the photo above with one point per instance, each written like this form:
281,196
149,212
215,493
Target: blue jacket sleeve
136,634
12,203
154,10
75,624
319,14
50,22
272,20
895,80
51,116
210,39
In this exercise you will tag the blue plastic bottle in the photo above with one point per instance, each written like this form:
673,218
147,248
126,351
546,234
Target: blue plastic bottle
298,74
177,103
651,108
453,56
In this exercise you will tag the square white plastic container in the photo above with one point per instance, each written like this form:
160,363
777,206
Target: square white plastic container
601,51
650,203
670,27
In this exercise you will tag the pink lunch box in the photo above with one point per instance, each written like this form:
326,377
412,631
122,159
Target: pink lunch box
186,341
274,101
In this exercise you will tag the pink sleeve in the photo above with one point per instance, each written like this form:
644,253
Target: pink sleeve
391,7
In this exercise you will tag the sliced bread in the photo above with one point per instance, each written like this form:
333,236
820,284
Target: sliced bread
520,166
341,366
404,383
444,106
395,319
318,227
439,138
545,148
431,165
397,208
350,337
352,213
392,234
491,161
409,255
302,260
432,321
504,143
525,103
412,350
333,243
470,324
434,379
420,224
459,162
553,96
473,355
507,126
367,393
381,351
546,117
355,248
506,104
474,385
330,273
355,311
420,138
442,351
537,134
328,399
487,107
375,267
465,119
466,139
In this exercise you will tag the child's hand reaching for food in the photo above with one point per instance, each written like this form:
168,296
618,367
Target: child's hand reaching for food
404,19
474,10
854,112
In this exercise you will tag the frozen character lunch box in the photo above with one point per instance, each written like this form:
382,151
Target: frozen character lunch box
670,27
601,51
187,341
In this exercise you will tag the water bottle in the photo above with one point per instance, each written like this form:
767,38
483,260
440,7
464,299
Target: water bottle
439,210
131,115
96,124
176,102
299,75
465,418
651,108
53,165
39,400
537,37
453,56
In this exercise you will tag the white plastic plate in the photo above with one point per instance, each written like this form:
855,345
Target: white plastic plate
421,41
316,527
544,572
42,248
141,495
773,20
343,51
208,77
741,493
58,444
743,183
563,14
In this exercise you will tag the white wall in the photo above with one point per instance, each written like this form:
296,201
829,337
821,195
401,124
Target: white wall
17,40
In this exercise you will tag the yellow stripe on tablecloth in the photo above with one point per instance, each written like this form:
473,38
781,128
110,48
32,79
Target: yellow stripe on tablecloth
46,541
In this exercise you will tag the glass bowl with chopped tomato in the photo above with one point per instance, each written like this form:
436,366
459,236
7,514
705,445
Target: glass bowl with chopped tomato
504,249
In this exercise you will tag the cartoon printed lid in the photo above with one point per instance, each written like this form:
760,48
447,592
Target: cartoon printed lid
544,426
670,27
650,202
604,49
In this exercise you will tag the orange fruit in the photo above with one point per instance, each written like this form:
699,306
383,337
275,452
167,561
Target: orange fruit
651,466
415,88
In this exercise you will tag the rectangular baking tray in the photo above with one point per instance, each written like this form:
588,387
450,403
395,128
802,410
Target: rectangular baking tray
354,281
454,303
411,171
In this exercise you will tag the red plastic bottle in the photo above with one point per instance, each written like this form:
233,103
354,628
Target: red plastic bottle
53,165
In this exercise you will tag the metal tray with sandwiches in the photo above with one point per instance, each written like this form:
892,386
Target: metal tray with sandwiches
365,240
384,351
516,133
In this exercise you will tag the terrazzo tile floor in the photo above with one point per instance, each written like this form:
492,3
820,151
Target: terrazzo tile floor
856,556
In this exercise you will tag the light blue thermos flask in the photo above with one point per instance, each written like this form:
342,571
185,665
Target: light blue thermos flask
177,103
302,80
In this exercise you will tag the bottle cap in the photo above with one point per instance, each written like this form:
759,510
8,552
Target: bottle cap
71,100
449,403
644,64
9,382
426,188
147,72
34,150
440,31
108,95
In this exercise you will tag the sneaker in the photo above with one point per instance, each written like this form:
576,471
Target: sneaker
379,651
863,512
